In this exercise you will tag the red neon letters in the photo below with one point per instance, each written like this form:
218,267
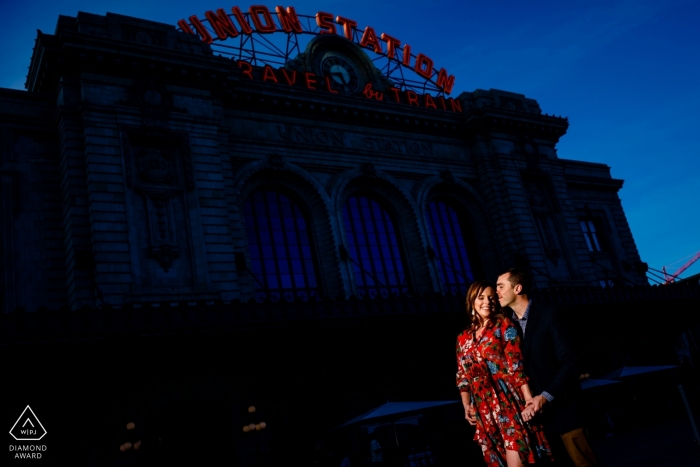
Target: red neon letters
348,26
391,44
222,24
245,27
325,22
203,33
424,66
445,82
260,13
317,83
288,19
263,22
369,37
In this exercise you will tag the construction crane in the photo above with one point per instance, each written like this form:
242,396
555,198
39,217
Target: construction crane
672,277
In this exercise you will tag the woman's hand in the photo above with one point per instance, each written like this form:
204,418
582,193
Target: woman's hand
470,415
533,407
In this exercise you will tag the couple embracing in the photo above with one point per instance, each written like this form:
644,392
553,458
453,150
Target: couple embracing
518,377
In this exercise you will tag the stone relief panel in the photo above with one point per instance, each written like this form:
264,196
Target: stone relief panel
546,214
159,172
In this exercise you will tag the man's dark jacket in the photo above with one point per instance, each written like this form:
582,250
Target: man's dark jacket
551,364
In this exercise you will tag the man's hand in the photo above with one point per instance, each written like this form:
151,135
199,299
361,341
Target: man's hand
470,415
533,407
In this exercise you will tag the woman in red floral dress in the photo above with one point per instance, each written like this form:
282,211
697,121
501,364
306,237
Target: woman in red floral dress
493,385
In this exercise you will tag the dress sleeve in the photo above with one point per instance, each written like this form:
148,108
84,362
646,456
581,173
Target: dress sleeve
512,352
462,380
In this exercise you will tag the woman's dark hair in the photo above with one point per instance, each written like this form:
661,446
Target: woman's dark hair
474,291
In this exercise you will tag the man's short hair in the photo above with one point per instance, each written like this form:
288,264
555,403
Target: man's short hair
518,275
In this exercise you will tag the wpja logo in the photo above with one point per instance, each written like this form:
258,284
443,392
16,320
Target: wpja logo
28,428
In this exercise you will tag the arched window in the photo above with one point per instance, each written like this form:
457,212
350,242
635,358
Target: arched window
450,235
374,249
280,248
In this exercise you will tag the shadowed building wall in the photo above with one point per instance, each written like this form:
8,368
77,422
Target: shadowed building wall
150,188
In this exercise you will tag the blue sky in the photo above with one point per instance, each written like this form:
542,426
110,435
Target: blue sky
626,73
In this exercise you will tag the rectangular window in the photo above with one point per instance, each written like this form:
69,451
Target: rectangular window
590,233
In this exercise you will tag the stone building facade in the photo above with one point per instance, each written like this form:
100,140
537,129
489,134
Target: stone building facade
192,221
127,164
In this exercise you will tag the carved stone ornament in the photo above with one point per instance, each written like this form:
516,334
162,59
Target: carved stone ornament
152,97
275,162
525,145
158,167
165,255
447,176
369,170
155,167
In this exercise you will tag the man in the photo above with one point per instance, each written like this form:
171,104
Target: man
550,364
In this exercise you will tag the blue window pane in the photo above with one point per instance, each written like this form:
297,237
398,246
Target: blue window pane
311,282
279,244
286,281
287,209
280,251
267,252
448,237
373,247
286,223
283,267
252,238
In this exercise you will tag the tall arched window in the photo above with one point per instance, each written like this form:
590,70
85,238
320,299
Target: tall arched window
374,250
450,237
280,248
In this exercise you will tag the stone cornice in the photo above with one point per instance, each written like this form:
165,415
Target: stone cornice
355,110
488,120
593,183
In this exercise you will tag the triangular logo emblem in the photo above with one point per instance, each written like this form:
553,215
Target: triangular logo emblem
27,427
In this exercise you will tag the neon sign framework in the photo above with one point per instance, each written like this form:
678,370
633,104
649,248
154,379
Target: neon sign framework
257,45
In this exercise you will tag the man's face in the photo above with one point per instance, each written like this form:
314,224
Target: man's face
505,291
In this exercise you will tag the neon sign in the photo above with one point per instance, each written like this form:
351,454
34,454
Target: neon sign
260,19
322,83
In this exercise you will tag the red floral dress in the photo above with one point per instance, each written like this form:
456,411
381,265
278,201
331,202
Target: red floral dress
490,368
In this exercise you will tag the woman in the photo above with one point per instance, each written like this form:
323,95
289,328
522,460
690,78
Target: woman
493,385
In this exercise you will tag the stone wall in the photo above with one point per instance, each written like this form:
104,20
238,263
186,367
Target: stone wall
126,165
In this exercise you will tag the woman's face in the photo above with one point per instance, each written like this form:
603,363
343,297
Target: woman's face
485,303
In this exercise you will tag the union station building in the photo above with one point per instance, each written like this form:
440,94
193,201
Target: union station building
187,231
